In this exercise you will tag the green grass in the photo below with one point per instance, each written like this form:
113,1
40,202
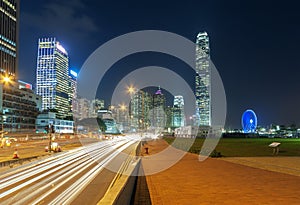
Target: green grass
245,147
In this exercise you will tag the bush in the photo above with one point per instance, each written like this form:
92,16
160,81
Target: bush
215,154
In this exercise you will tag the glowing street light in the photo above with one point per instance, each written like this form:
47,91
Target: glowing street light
6,79
131,90
123,107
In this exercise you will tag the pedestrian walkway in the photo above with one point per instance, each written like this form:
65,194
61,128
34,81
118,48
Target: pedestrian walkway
216,181
287,165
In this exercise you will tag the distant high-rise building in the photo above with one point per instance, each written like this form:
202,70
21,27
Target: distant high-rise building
169,116
203,80
178,118
73,89
159,105
83,108
9,27
140,106
96,105
73,84
121,115
52,76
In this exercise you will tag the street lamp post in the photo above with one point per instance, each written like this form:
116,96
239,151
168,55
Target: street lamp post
2,131
6,80
50,139
141,127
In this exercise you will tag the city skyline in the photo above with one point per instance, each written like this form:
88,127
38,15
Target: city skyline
245,56
143,120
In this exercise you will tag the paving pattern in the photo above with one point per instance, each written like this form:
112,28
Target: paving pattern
216,181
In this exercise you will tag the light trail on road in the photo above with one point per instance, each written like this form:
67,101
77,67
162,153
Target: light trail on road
61,178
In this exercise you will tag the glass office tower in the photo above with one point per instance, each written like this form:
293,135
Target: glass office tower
52,76
178,111
9,20
203,80
159,106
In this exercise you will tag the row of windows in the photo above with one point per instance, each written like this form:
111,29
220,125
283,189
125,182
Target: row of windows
10,5
58,122
13,17
7,40
45,52
2,48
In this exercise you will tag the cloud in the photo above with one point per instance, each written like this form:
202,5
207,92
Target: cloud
63,17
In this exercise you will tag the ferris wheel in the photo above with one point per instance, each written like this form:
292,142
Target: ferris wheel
249,121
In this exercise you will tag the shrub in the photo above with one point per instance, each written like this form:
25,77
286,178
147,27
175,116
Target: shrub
215,154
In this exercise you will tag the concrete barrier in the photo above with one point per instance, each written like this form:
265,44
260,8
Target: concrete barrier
13,162
123,185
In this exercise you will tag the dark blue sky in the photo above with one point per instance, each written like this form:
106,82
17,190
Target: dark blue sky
254,44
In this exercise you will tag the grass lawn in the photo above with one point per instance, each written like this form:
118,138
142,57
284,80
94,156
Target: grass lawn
247,147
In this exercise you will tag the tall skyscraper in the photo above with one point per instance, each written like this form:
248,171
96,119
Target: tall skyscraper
96,105
169,116
83,109
9,27
121,115
178,117
140,106
159,106
203,80
52,76
73,84
73,89
19,106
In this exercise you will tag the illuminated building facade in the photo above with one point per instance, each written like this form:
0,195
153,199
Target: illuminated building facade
52,76
9,21
140,106
203,80
19,107
121,115
83,108
169,116
96,105
23,84
73,89
159,106
178,117
60,126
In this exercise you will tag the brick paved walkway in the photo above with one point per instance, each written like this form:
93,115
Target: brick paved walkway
217,181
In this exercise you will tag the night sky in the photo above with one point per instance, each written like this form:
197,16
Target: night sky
254,45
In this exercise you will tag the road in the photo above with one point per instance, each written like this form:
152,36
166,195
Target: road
63,178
